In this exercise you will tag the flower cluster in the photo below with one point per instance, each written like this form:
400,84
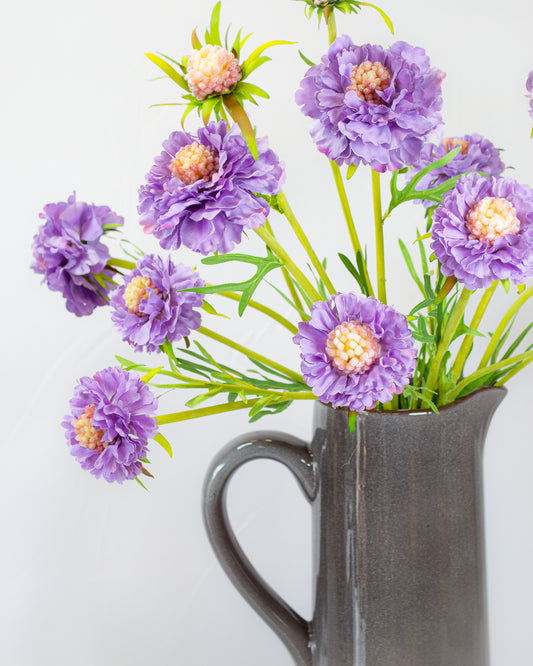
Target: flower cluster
202,191
69,253
355,351
477,154
372,105
151,306
369,105
110,423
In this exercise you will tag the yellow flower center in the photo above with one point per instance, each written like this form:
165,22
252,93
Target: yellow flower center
138,289
86,435
492,218
194,162
212,69
368,78
352,347
450,144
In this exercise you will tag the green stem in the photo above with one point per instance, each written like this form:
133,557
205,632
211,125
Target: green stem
380,243
526,357
349,221
262,308
332,26
445,341
468,340
512,373
239,115
251,354
503,325
278,250
220,409
286,275
304,241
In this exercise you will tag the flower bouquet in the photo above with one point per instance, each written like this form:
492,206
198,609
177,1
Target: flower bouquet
216,186
208,190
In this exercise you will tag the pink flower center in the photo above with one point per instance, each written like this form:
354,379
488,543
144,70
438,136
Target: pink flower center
450,144
212,69
86,435
138,289
368,78
194,162
492,218
352,347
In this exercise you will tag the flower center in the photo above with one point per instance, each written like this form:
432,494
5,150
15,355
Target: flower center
352,347
450,144
137,290
492,218
86,435
212,69
194,162
368,78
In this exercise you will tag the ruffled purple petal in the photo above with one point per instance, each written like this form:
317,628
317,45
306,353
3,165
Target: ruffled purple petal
68,251
124,410
474,262
389,373
210,215
386,136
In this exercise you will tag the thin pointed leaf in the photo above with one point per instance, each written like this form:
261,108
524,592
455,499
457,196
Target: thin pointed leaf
214,25
169,70
163,441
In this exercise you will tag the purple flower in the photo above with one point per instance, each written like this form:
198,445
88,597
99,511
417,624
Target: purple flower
201,191
68,252
529,88
111,420
372,105
483,231
355,351
150,307
476,154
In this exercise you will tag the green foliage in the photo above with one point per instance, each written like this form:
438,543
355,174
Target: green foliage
343,6
242,91
263,266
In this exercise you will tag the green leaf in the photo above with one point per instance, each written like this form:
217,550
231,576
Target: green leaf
516,343
263,266
163,441
248,89
306,60
169,70
410,265
410,391
248,65
150,375
382,13
357,274
207,107
506,285
211,310
196,43
214,33
350,171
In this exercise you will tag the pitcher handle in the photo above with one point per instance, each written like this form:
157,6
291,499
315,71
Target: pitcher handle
294,453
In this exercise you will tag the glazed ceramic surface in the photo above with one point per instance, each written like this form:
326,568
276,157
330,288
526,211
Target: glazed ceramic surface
399,560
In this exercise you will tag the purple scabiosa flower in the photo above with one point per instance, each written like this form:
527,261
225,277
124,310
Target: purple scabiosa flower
201,191
483,231
476,154
355,351
111,419
150,307
372,105
68,251
529,88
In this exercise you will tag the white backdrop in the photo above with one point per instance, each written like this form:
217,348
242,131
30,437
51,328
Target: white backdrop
93,573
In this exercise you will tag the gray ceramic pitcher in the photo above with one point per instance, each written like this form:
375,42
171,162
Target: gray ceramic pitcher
399,554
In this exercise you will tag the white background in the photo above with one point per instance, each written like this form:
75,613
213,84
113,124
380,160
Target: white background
93,573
